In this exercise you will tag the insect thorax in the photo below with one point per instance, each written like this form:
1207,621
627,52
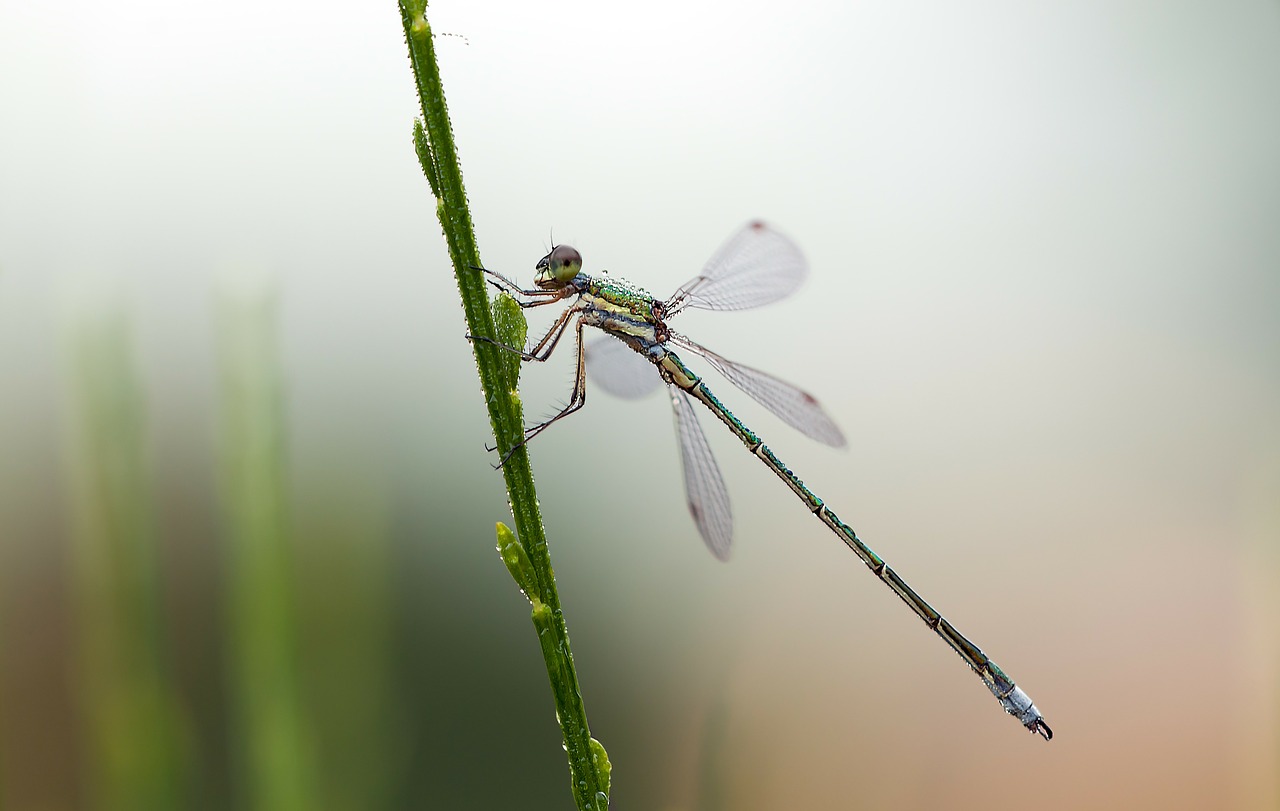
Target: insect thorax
622,295
617,306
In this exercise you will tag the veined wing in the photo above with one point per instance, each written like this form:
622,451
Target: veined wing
796,407
757,266
616,368
703,485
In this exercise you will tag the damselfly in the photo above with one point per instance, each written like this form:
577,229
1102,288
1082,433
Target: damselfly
757,266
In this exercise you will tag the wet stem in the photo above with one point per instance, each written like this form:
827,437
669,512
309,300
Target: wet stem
525,552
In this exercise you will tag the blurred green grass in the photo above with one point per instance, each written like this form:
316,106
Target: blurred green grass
137,756
258,655
274,762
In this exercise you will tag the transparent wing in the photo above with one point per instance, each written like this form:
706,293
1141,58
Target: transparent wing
703,485
757,266
616,368
793,406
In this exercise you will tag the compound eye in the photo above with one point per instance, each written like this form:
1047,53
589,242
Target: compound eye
564,262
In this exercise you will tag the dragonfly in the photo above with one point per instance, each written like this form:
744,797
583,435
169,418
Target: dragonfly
637,354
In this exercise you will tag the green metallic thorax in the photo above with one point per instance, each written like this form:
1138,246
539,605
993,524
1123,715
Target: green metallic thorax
620,307
620,296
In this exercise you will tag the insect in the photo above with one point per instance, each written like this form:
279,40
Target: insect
756,266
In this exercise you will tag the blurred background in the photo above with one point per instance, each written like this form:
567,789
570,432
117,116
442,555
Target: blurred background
246,515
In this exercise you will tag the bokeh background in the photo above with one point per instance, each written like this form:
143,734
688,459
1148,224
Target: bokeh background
246,515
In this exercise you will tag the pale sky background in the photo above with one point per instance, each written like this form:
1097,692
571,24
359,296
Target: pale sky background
1044,306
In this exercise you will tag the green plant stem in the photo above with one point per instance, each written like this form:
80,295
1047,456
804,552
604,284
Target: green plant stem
439,158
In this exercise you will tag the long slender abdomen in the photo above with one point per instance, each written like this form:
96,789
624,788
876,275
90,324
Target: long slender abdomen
1011,697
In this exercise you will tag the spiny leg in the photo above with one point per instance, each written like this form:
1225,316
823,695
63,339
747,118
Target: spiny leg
544,297
501,282
513,289
576,400
541,352
547,343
